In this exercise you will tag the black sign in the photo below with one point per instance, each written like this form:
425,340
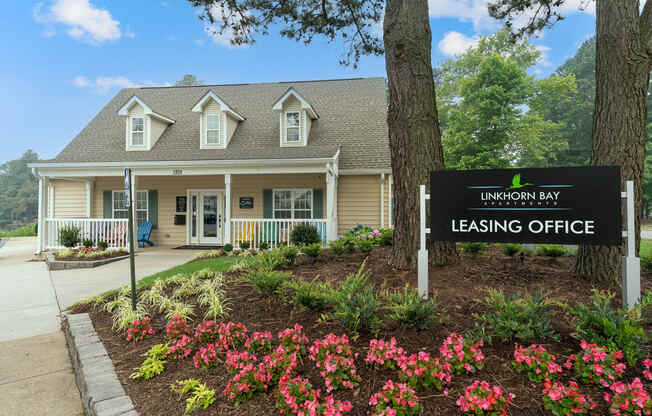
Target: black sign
182,204
553,205
246,202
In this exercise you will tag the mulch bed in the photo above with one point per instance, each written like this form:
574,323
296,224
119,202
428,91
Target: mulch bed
457,289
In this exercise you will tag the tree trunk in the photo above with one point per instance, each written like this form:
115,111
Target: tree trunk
414,135
619,120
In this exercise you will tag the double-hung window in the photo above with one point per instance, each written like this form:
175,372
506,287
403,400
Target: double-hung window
212,129
120,209
292,119
293,203
137,131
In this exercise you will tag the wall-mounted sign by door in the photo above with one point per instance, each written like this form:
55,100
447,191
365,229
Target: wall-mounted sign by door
580,205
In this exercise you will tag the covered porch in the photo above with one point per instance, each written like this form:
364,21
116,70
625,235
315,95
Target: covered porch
192,204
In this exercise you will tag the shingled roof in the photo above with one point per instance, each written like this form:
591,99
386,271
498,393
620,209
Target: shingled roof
352,118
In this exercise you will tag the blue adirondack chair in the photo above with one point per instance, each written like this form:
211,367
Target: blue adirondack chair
144,231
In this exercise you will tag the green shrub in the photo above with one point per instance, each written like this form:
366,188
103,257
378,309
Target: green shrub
269,260
228,247
364,245
201,396
304,234
87,243
66,252
245,245
523,317
646,263
153,364
355,304
337,246
551,250
263,245
408,308
474,247
512,249
387,237
314,296
290,254
312,250
69,236
267,281
616,329
103,244
24,231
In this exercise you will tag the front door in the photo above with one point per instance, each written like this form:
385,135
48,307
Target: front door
207,217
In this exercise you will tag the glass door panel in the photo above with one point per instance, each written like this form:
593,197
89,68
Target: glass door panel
210,216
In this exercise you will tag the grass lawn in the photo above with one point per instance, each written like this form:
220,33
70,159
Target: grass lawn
646,248
25,231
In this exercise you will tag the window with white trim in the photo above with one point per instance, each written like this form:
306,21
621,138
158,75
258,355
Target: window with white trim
137,131
293,203
212,129
120,210
292,120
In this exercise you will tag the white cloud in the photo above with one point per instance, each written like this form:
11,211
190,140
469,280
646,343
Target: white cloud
475,11
456,43
82,20
224,38
103,85
545,59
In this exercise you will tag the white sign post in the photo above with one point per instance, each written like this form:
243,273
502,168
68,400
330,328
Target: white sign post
631,263
423,251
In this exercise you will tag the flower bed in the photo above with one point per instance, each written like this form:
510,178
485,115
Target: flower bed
268,383
88,254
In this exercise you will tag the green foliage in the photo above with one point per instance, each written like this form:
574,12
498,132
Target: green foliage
408,308
18,196
290,254
493,114
69,236
314,296
184,310
269,260
263,245
122,312
182,387
474,247
338,246
24,231
551,250
228,247
103,244
312,250
387,237
201,396
599,323
210,254
364,245
190,286
87,243
244,245
189,80
64,253
267,281
153,365
304,234
522,317
511,250
355,304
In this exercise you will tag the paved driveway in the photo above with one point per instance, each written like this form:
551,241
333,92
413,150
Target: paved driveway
36,376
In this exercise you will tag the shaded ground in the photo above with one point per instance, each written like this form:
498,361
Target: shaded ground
457,290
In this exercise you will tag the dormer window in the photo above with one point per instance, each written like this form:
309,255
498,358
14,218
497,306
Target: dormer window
293,118
212,129
137,131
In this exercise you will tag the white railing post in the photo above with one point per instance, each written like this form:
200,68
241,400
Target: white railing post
422,258
631,273
227,208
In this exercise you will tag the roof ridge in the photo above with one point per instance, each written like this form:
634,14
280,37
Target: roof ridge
258,83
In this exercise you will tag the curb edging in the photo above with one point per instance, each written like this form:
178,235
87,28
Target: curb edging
54,264
99,387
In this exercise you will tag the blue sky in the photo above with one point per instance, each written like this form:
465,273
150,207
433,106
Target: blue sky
63,60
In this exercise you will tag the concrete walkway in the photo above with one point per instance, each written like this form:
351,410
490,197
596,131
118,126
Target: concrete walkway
36,376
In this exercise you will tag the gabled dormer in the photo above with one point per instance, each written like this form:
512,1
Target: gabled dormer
143,127
295,118
217,122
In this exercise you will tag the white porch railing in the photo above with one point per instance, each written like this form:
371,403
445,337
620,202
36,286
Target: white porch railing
113,231
271,231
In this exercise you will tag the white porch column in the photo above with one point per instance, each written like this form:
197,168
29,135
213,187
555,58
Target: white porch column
331,204
227,209
382,200
50,200
89,199
391,197
42,236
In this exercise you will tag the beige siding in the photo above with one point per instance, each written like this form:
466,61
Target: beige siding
358,201
158,127
69,199
231,126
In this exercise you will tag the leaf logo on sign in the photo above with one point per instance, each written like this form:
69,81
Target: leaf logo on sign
516,183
